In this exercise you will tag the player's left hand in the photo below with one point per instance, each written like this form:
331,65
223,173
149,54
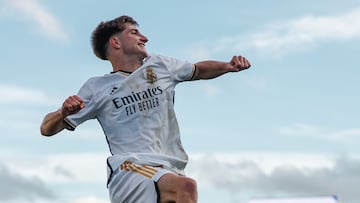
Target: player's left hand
239,63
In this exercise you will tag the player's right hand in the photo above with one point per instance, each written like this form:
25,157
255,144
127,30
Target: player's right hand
72,105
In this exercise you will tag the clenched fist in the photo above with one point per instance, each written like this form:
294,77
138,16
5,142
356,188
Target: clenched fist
72,105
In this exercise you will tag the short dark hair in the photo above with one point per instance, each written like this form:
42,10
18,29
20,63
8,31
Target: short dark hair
101,35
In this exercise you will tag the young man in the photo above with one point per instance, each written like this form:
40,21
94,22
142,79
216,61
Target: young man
134,105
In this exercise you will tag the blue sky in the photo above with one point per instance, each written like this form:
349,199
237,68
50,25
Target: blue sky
287,127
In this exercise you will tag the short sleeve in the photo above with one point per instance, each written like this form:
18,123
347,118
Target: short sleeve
180,70
88,112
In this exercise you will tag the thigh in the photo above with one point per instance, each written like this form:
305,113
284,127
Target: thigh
129,187
167,188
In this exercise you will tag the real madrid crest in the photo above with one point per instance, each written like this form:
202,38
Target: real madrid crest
151,77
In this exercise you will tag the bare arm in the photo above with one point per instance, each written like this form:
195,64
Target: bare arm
213,69
54,121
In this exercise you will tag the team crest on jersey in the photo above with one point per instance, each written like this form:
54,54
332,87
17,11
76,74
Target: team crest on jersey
151,76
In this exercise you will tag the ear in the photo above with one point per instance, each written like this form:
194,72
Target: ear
114,42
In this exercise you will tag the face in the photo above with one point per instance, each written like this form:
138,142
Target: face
132,42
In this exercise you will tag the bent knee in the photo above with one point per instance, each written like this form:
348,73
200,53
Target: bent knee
188,185
176,188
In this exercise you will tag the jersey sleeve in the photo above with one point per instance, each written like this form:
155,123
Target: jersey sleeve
88,112
180,70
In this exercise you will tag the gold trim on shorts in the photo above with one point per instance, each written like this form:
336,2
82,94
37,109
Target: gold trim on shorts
144,170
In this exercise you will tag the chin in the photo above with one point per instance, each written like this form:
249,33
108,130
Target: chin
145,54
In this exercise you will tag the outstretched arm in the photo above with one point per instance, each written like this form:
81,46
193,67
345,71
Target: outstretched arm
213,69
54,121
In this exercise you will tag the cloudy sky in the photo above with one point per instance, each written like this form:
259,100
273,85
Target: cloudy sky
287,127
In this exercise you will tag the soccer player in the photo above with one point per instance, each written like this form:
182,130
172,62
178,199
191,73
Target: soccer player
134,105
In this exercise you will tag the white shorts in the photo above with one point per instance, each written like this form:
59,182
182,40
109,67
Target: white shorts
132,183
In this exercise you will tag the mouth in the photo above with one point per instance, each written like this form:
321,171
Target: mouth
141,44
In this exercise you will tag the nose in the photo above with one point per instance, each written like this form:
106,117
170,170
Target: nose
143,38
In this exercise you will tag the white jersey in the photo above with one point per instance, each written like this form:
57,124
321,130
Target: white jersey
136,112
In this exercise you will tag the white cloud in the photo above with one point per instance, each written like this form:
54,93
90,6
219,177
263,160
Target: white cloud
347,134
21,115
46,174
210,89
65,168
268,174
305,31
12,94
240,174
14,186
301,129
91,167
267,161
279,38
33,11
89,199
308,130
197,53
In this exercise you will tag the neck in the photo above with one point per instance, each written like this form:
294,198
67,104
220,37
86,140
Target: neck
127,65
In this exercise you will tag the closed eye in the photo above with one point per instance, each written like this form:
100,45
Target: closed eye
134,31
